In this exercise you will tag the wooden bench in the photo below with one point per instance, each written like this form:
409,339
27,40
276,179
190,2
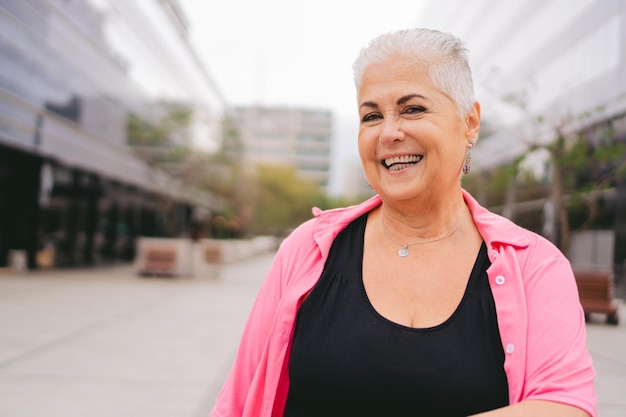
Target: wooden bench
159,261
595,289
213,253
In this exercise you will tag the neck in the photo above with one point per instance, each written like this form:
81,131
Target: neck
423,221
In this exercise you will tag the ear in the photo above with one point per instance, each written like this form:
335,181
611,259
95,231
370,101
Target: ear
472,122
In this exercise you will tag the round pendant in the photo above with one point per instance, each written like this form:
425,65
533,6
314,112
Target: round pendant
404,251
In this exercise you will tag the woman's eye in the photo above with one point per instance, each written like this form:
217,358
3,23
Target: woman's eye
370,117
414,109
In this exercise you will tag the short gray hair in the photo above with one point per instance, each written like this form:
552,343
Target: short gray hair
445,55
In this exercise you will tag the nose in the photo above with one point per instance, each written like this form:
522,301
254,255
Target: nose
391,130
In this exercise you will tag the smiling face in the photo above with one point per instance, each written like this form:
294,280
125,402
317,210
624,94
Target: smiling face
412,141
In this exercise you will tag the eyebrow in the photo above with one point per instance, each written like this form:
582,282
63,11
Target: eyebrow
400,101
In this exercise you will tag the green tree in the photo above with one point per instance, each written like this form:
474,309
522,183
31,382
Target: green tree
283,199
162,141
581,163
223,174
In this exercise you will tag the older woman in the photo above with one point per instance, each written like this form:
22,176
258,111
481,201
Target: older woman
418,301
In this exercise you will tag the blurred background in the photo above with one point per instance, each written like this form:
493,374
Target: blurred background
129,119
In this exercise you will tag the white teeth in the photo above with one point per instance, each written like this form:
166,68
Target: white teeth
400,162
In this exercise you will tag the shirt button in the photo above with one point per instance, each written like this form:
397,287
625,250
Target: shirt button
510,348
500,280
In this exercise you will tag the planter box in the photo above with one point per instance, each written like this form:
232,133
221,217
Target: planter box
181,256
163,256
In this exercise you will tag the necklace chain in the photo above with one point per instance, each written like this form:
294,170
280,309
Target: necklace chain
404,250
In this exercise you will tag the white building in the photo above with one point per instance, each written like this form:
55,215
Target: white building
287,136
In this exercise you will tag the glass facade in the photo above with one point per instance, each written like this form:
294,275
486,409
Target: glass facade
71,72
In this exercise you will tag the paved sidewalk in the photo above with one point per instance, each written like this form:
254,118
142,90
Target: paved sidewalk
607,345
109,343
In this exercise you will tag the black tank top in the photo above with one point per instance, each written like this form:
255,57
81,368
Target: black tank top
348,360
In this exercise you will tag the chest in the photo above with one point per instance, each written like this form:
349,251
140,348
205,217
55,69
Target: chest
345,352
422,289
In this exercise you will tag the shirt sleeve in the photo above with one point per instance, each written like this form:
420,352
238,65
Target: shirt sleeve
234,394
558,365
252,383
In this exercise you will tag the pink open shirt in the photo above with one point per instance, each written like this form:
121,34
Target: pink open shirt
539,315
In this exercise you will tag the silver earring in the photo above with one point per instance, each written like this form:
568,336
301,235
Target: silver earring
467,164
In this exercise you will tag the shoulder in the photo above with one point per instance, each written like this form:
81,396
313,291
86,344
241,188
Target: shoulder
498,230
319,232
302,254
511,241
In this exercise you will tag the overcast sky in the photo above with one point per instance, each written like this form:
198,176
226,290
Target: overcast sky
286,52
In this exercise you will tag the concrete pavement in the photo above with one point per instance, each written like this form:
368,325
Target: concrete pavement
607,345
109,343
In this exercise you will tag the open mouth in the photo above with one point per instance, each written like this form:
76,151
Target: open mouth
398,163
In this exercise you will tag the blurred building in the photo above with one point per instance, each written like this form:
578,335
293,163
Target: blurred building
287,136
562,61
71,73
561,58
